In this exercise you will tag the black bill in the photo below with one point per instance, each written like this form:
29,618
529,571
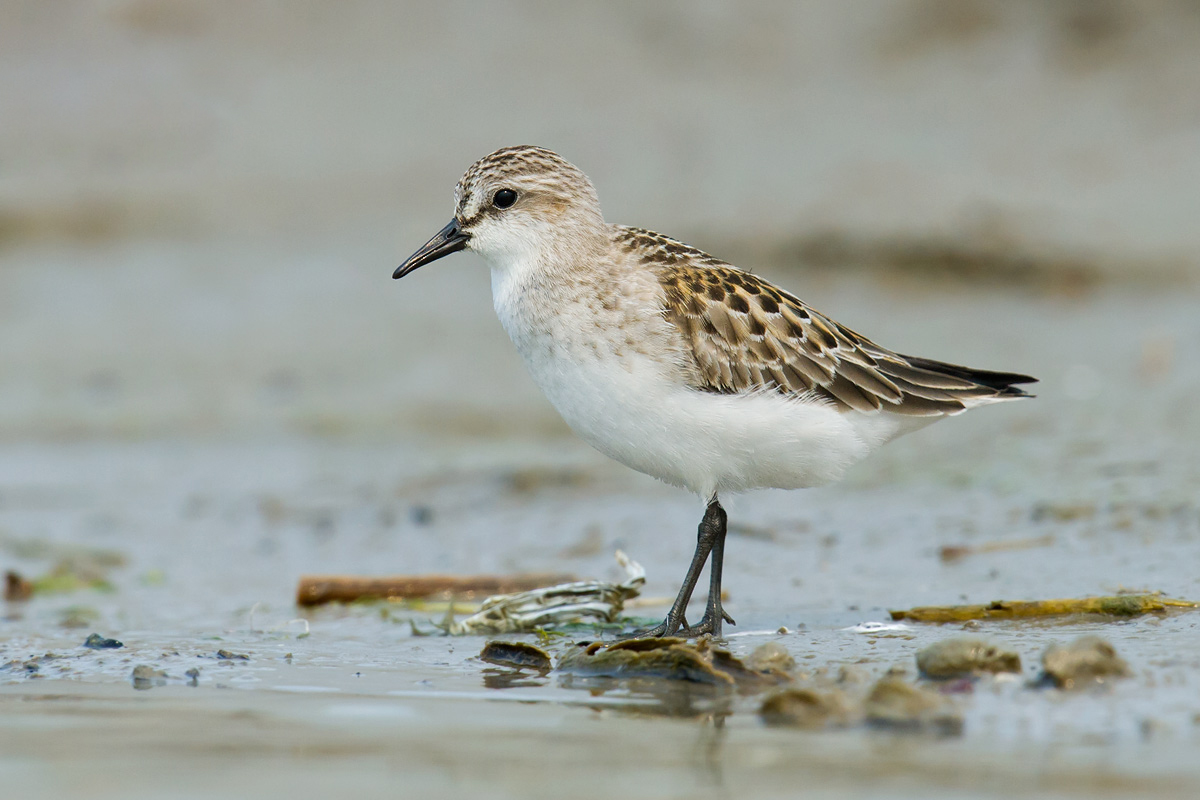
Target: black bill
448,240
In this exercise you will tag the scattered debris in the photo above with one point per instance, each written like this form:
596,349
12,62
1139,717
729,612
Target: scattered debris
31,667
146,677
67,577
667,658
962,656
98,642
559,604
1085,661
1121,605
955,552
74,568
516,655
16,587
895,703
17,666
807,708
771,657
315,590
767,669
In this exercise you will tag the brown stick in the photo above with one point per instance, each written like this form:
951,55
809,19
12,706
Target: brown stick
317,589
16,587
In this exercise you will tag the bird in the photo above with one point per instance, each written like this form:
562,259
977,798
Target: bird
681,365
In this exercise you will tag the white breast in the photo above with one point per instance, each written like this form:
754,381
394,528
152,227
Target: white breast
609,364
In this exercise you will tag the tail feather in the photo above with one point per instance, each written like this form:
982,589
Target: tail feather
1004,383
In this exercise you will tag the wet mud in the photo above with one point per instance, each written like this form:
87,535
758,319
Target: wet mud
202,604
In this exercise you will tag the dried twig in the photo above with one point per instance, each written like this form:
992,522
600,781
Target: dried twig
317,589
1121,605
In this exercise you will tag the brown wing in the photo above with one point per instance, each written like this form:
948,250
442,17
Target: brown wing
748,335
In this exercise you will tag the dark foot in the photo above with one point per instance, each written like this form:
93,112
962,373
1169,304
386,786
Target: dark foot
668,627
707,624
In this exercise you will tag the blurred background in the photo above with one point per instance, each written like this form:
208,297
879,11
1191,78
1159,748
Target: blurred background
211,385
201,203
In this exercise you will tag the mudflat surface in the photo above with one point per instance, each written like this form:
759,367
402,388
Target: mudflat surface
201,542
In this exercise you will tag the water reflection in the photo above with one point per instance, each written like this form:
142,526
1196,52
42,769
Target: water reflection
653,697
499,678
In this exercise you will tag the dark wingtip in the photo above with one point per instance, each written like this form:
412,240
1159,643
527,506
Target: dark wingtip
1016,391
1003,382
1011,389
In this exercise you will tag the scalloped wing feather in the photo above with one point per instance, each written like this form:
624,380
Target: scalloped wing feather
748,335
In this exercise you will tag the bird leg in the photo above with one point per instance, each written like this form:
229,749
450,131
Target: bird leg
710,538
714,614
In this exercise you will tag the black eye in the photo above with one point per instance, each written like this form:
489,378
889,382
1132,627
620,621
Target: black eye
504,198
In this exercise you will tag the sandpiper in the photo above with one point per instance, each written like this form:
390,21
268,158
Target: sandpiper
681,365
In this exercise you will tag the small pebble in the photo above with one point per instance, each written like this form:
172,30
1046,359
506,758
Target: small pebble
805,708
962,656
146,677
771,657
98,642
516,655
897,704
1087,660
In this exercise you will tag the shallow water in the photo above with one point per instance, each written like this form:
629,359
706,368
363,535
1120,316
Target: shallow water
214,535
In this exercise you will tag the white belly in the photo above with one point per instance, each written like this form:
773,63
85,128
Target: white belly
618,390
701,441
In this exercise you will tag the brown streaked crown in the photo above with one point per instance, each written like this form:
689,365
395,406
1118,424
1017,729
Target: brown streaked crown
529,167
